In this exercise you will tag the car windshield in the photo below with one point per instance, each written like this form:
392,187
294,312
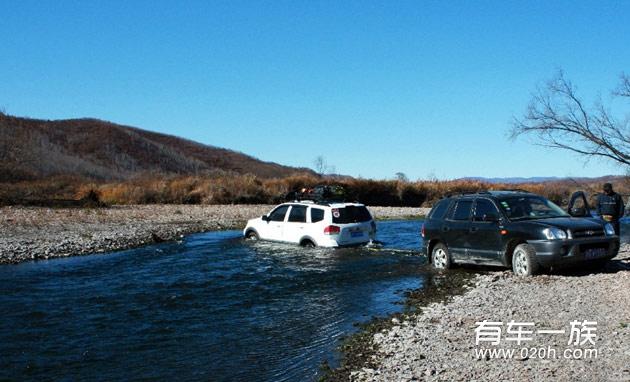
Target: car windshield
530,207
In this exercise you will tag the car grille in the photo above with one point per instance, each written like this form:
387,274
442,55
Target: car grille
581,233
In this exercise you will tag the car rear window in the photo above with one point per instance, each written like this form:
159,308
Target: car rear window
297,214
351,214
462,210
439,210
317,215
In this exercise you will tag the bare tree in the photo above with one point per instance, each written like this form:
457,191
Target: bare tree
320,165
558,118
401,177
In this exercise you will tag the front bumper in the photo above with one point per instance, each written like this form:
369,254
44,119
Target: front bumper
559,253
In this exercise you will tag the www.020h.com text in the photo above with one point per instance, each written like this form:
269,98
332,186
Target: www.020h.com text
548,352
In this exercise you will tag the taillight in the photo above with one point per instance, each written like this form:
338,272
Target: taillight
422,231
332,230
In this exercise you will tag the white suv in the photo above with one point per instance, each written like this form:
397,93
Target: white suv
315,224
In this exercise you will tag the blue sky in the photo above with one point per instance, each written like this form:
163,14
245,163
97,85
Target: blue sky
425,88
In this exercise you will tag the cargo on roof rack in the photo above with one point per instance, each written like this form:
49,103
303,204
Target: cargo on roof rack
321,194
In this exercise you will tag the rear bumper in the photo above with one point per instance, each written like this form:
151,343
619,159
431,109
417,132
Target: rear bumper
335,241
558,253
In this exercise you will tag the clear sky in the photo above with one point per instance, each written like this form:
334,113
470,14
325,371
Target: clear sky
425,88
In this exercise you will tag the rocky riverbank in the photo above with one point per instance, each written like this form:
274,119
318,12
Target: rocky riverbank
31,233
439,341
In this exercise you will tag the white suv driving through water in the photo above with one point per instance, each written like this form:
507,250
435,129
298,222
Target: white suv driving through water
315,224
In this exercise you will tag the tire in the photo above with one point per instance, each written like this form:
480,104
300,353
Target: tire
307,243
524,261
440,258
252,235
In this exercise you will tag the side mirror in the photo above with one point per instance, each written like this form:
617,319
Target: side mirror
578,212
265,218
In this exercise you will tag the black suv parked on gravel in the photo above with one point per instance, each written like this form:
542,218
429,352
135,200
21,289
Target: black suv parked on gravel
515,229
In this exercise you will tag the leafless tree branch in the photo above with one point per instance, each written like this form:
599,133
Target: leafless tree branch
624,87
558,118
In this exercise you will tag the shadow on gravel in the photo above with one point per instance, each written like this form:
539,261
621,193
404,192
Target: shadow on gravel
618,264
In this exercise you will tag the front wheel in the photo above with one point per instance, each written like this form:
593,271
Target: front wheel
524,261
252,235
440,258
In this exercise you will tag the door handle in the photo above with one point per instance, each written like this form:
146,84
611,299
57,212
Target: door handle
445,229
474,229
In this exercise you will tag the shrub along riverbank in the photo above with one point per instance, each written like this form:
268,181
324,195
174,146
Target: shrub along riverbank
248,189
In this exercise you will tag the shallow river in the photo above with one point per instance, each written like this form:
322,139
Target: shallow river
213,307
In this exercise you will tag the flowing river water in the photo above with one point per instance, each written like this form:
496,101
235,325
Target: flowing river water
212,307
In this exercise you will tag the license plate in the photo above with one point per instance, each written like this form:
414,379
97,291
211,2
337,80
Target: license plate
593,253
356,234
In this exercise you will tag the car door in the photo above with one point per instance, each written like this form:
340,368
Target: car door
455,229
578,205
485,240
294,228
274,228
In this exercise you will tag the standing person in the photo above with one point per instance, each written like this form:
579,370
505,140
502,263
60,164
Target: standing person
610,206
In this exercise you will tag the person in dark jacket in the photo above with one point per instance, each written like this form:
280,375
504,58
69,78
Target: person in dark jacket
610,206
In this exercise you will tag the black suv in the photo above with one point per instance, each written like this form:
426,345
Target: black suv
517,229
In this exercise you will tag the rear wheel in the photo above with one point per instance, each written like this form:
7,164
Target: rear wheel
252,235
440,258
307,243
524,261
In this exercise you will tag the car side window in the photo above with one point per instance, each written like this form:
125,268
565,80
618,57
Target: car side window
297,214
439,210
462,210
483,209
278,214
317,215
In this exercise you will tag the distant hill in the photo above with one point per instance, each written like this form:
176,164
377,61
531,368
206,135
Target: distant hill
91,148
543,179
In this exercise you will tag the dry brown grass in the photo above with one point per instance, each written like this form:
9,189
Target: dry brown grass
248,189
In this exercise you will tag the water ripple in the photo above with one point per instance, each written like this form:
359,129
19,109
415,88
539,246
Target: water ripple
211,307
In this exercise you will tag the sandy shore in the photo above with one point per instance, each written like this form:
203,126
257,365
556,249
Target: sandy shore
439,342
41,233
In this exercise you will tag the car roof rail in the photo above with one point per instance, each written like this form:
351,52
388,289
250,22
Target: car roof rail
514,190
464,193
311,201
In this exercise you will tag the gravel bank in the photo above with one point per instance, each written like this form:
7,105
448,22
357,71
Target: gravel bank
30,233
439,342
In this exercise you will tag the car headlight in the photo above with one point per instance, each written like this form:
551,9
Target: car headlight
610,230
554,233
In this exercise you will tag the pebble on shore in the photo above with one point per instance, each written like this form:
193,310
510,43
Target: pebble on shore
439,343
